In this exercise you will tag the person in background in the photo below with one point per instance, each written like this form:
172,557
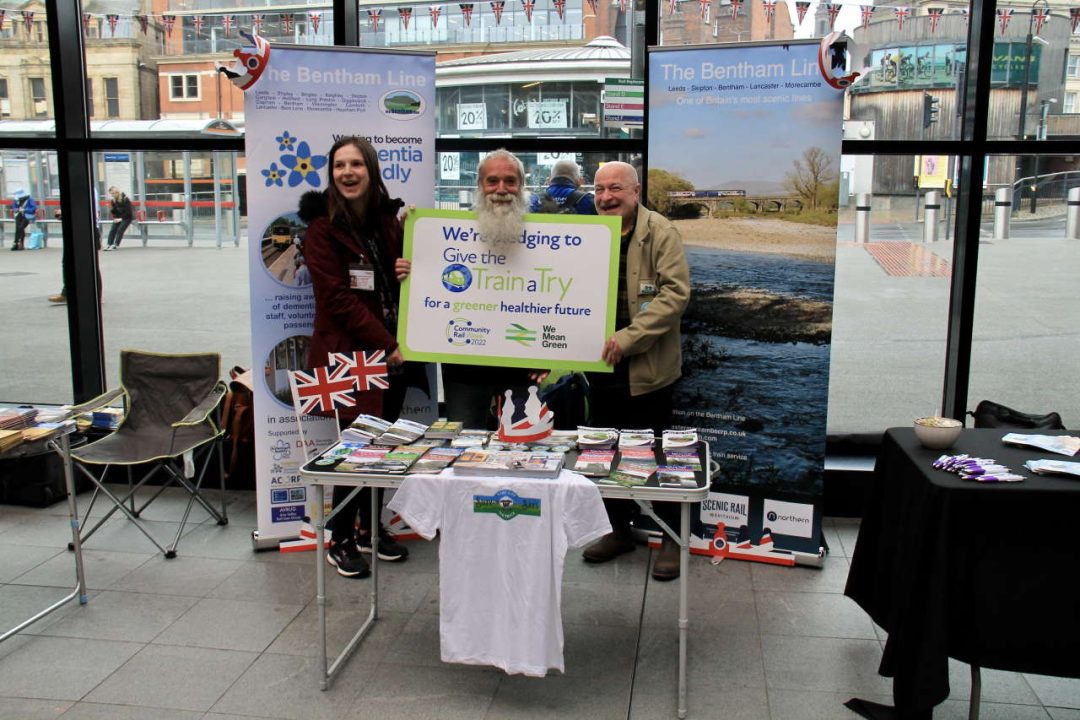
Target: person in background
61,297
645,351
24,211
563,193
352,250
122,214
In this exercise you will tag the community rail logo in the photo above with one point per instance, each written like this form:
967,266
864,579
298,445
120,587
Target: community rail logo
402,105
456,278
520,334
460,331
507,504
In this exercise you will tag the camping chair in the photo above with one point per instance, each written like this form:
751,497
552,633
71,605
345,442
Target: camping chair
171,404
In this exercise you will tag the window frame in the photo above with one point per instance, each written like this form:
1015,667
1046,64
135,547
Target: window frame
184,77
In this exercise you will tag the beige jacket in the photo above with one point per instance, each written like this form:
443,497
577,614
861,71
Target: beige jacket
658,290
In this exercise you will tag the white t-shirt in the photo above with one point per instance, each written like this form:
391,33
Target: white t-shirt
503,541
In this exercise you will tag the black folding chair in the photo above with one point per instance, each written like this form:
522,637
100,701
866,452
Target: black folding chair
171,419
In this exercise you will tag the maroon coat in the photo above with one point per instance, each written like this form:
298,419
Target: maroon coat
347,320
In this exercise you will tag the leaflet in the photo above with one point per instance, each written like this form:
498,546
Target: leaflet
1060,444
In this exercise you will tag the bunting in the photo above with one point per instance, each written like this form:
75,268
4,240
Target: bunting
935,17
85,23
314,18
197,22
672,6
373,16
405,14
560,8
497,8
622,6
144,23
770,10
801,6
1040,16
1074,17
170,21
735,6
901,13
28,20
3,17
833,9
528,5
256,24
592,7
434,10
1004,15
227,24
113,21
703,10
287,22
867,14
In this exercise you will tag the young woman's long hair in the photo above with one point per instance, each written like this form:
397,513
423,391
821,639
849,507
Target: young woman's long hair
339,209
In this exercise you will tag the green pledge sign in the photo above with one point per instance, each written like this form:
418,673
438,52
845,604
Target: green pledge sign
547,300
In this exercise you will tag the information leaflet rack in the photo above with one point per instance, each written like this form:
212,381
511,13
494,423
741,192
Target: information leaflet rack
644,495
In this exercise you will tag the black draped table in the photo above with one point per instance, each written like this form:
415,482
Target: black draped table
980,572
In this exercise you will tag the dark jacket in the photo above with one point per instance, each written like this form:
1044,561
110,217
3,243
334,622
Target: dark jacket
121,208
347,320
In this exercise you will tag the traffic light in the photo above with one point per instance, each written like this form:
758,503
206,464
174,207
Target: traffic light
929,109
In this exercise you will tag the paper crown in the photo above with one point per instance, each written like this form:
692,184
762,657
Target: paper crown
537,423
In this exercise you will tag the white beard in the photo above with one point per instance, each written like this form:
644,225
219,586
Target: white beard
501,223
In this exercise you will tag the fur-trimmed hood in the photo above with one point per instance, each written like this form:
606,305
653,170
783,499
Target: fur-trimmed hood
313,205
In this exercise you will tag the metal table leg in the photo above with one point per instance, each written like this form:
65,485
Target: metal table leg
684,585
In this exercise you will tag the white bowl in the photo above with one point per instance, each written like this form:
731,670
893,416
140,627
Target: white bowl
937,433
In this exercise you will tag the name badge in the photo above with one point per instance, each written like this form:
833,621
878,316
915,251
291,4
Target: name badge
647,287
361,277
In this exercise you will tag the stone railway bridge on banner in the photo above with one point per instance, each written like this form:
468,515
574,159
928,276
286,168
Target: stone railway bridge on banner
718,200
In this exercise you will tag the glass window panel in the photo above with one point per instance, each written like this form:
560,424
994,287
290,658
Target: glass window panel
38,364
112,97
179,281
891,300
5,100
1025,339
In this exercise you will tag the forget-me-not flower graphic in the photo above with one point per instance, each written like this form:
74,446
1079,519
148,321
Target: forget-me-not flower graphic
304,166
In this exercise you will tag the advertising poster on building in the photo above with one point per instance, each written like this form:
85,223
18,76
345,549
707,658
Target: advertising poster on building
740,136
544,301
303,101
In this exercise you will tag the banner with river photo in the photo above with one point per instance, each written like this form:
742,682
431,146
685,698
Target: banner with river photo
744,149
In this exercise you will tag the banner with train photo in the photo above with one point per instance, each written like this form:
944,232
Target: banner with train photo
298,101
744,152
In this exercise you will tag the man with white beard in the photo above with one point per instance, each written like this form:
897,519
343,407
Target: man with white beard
472,391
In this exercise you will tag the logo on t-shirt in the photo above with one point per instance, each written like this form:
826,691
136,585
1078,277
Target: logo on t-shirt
507,504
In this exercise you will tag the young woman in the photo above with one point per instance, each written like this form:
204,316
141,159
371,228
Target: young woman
352,248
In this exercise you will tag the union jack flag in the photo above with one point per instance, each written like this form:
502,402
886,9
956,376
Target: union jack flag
529,5
144,23
170,21
966,12
770,9
1041,16
466,11
373,16
703,10
673,5
287,21
735,5
560,8
1074,17
256,23
833,9
28,20
801,6
622,6
901,13
935,16
314,18
405,14
434,10
1004,15
197,22
497,8
867,14
367,369
592,6
227,24
113,21
322,389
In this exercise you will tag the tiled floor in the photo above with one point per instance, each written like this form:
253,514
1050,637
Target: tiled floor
224,632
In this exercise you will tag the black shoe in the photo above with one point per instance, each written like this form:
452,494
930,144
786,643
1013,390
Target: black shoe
608,547
16,247
348,561
666,565
390,549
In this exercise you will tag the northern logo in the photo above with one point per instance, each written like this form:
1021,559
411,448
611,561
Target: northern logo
518,333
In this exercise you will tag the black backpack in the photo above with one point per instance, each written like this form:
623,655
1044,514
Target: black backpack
549,204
